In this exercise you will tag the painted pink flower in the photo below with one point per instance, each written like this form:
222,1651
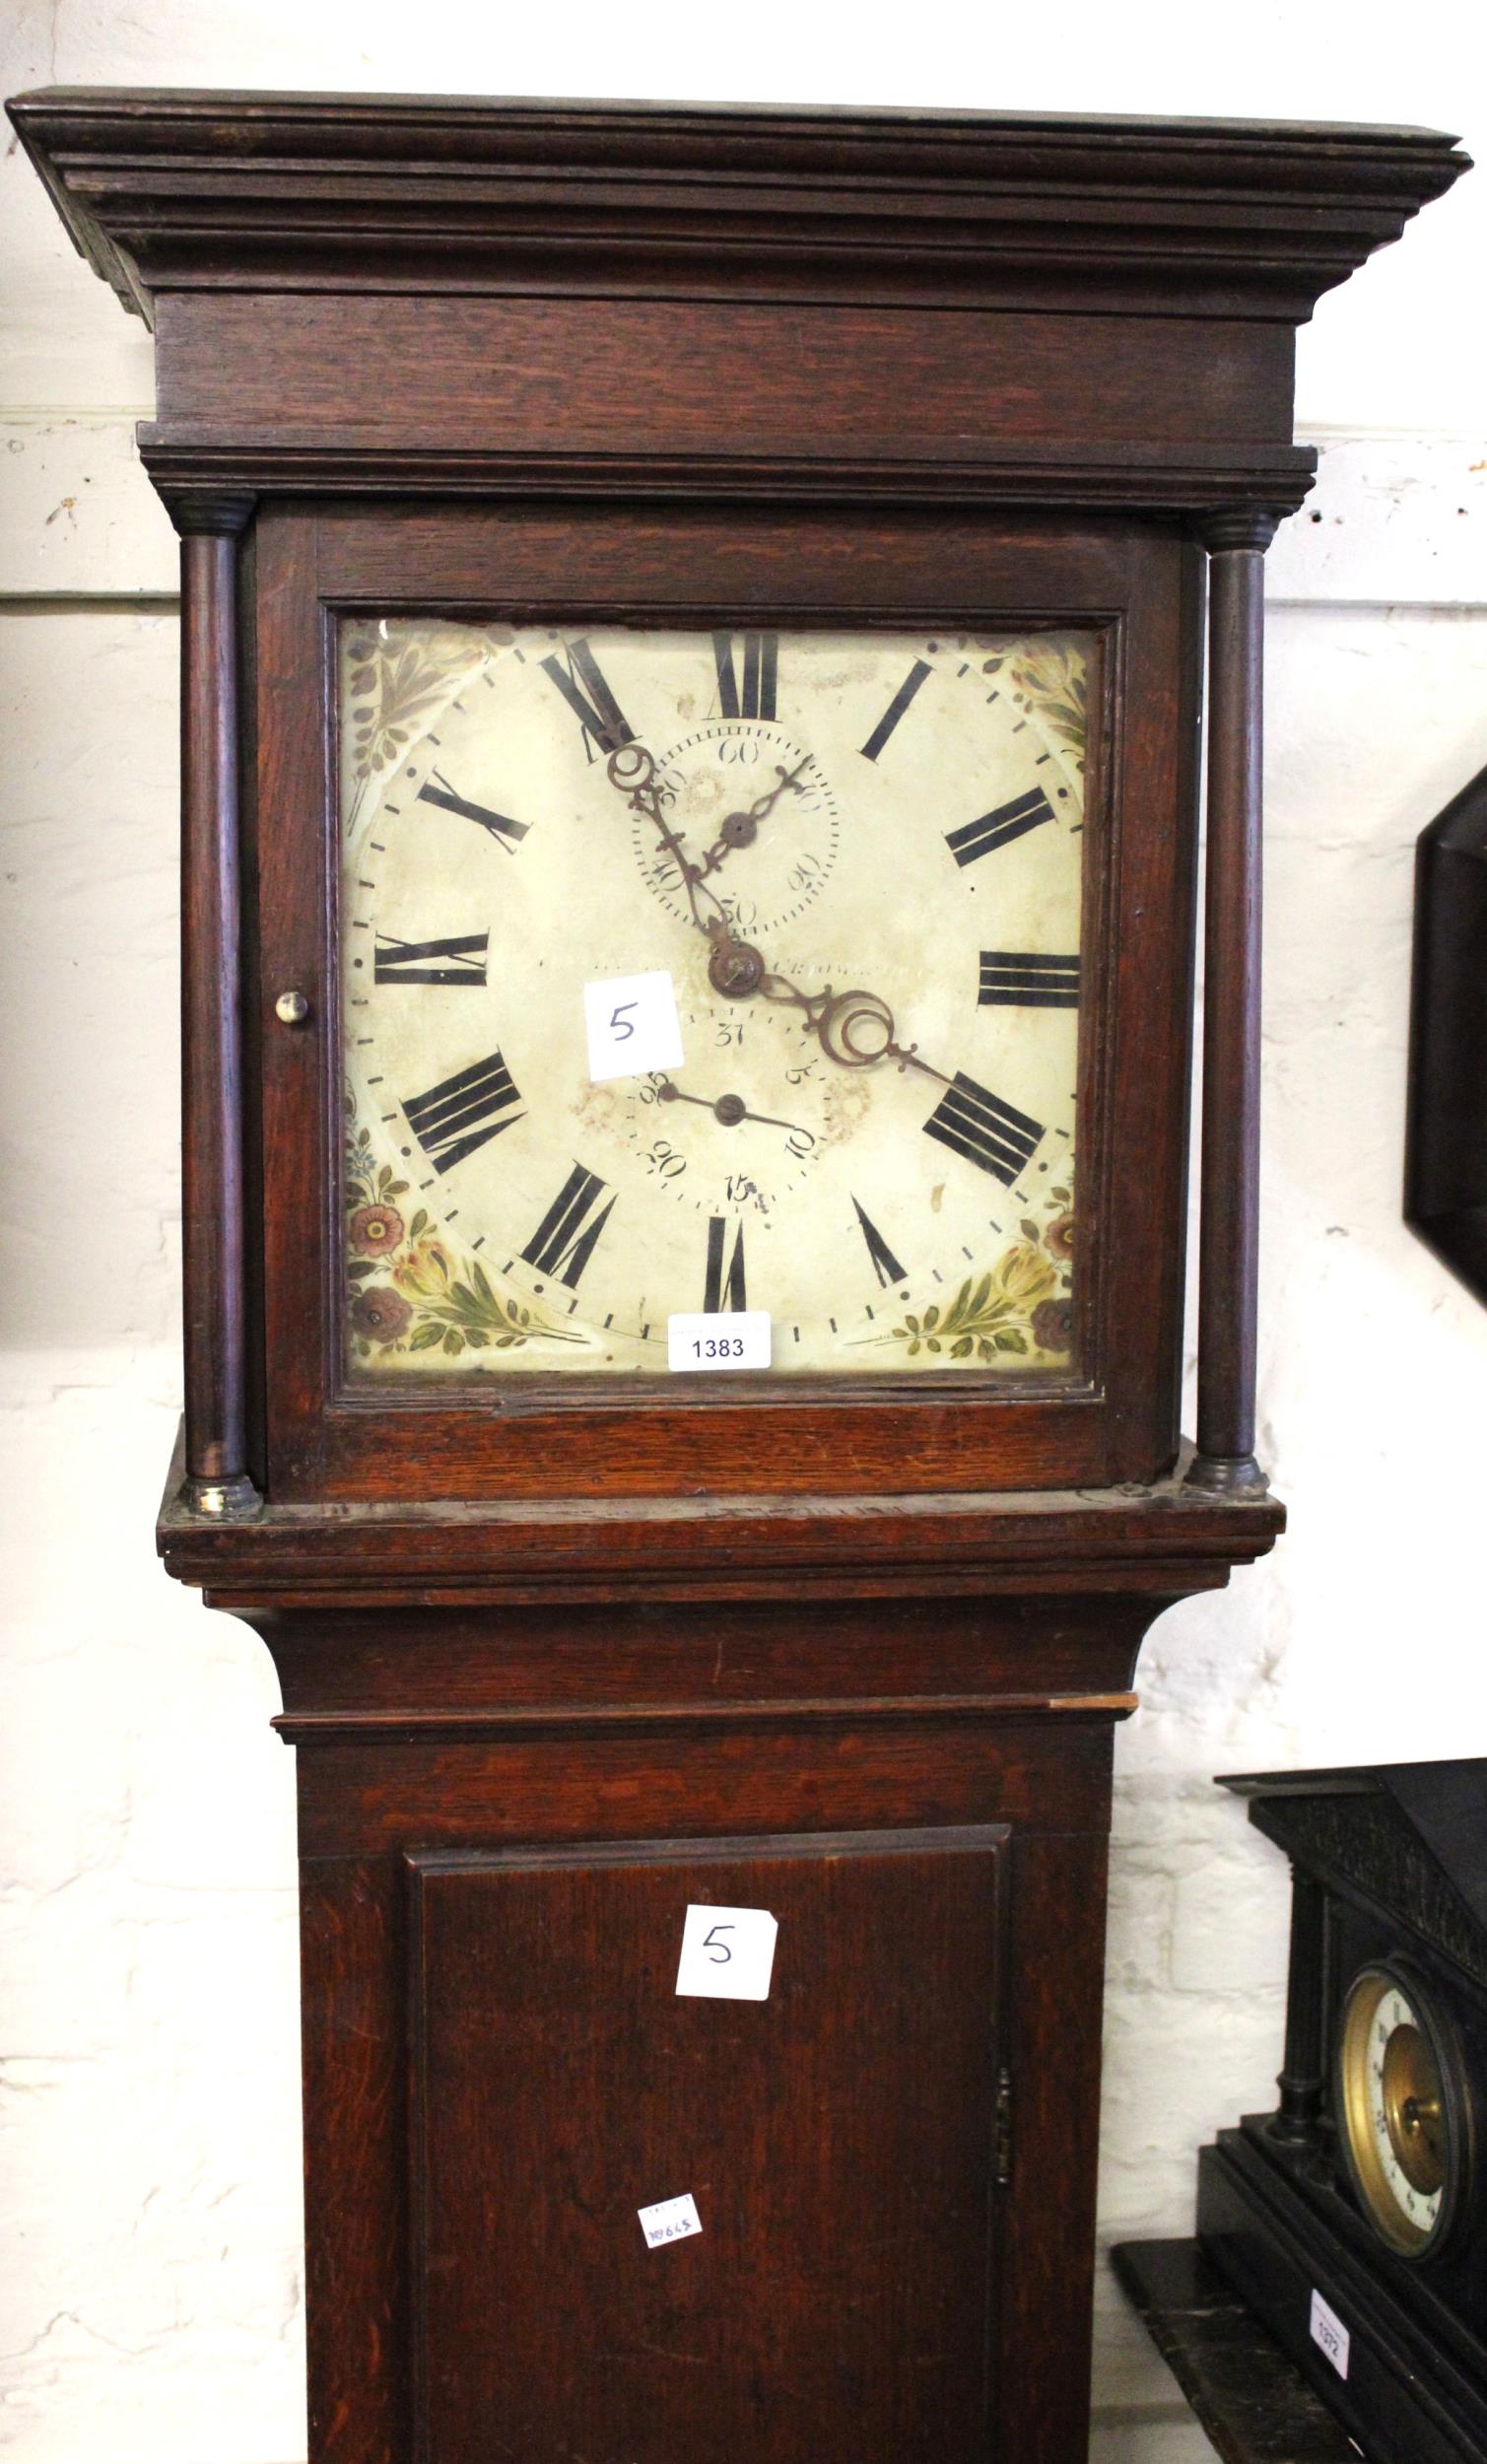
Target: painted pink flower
374,1229
1052,1324
380,1314
1058,1235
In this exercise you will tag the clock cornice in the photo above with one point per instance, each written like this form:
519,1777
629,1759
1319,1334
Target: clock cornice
177,189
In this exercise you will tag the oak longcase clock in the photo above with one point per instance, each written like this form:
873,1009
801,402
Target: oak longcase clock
694,655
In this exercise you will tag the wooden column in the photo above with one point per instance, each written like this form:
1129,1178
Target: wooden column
1228,1240
217,1480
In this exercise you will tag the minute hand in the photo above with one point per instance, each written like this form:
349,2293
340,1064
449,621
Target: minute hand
854,1029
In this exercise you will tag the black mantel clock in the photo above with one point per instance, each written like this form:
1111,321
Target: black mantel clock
693,625
1353,2219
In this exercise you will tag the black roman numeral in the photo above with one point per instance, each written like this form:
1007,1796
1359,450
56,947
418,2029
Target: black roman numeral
564,1241
505,832
751,696
462,1112
1027,980
580,682
726,1290
895,711
985,1131
459,960
992,829
884,1263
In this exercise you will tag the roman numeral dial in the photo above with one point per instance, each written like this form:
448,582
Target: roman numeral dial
1029,979
724,1287
581,681
459,959
506,833
884,1263
464,1113
565,1237
998,828
747,666
881,732
988,1131
833,875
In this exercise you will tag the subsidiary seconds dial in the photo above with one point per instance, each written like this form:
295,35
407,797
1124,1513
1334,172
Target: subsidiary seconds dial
754,811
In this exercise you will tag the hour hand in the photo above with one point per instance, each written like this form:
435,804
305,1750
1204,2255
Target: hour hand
632,771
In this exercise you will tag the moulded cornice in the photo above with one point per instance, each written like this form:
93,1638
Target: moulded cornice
1198,480
177,189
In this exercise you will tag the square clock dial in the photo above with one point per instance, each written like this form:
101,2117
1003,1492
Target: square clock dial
718,974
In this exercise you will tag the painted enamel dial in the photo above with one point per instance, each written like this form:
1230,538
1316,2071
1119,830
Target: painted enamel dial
850,867
1401,2123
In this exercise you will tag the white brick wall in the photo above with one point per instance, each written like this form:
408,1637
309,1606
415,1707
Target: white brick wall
149,2187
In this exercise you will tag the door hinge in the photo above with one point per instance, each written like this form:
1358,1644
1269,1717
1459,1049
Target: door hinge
1003,2128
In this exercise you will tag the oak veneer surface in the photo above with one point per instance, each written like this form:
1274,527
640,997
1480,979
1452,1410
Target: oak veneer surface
549,1668
561,2083
614,376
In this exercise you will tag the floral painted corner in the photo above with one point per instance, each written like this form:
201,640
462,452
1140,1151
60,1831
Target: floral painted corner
1048,679
411,1288
398,675
1020,1308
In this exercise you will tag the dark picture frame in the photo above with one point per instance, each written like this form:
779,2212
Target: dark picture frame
1446,1114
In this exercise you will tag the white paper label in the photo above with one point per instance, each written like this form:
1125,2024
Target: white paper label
632,1026
1328,2331
670,2220
727,1953
719,1338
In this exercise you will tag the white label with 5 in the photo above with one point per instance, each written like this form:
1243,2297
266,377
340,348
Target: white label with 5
632,1025
727,1953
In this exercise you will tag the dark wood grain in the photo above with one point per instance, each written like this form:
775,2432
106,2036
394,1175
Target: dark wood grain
177,191
213,1264
792,376
1229,1224
677,1810
1166,1540
976,471
552,1659
1045,2311
851,1773
843,2268
353,2038
1116,1419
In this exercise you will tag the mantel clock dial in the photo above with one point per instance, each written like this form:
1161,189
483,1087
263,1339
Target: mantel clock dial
1402,2110
856,857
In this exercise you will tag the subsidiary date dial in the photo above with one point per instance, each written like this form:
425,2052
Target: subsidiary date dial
852,863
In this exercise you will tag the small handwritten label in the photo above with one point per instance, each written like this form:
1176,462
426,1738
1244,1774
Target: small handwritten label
670,2220
632,1025
720,1339
727,1953
1328,2331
